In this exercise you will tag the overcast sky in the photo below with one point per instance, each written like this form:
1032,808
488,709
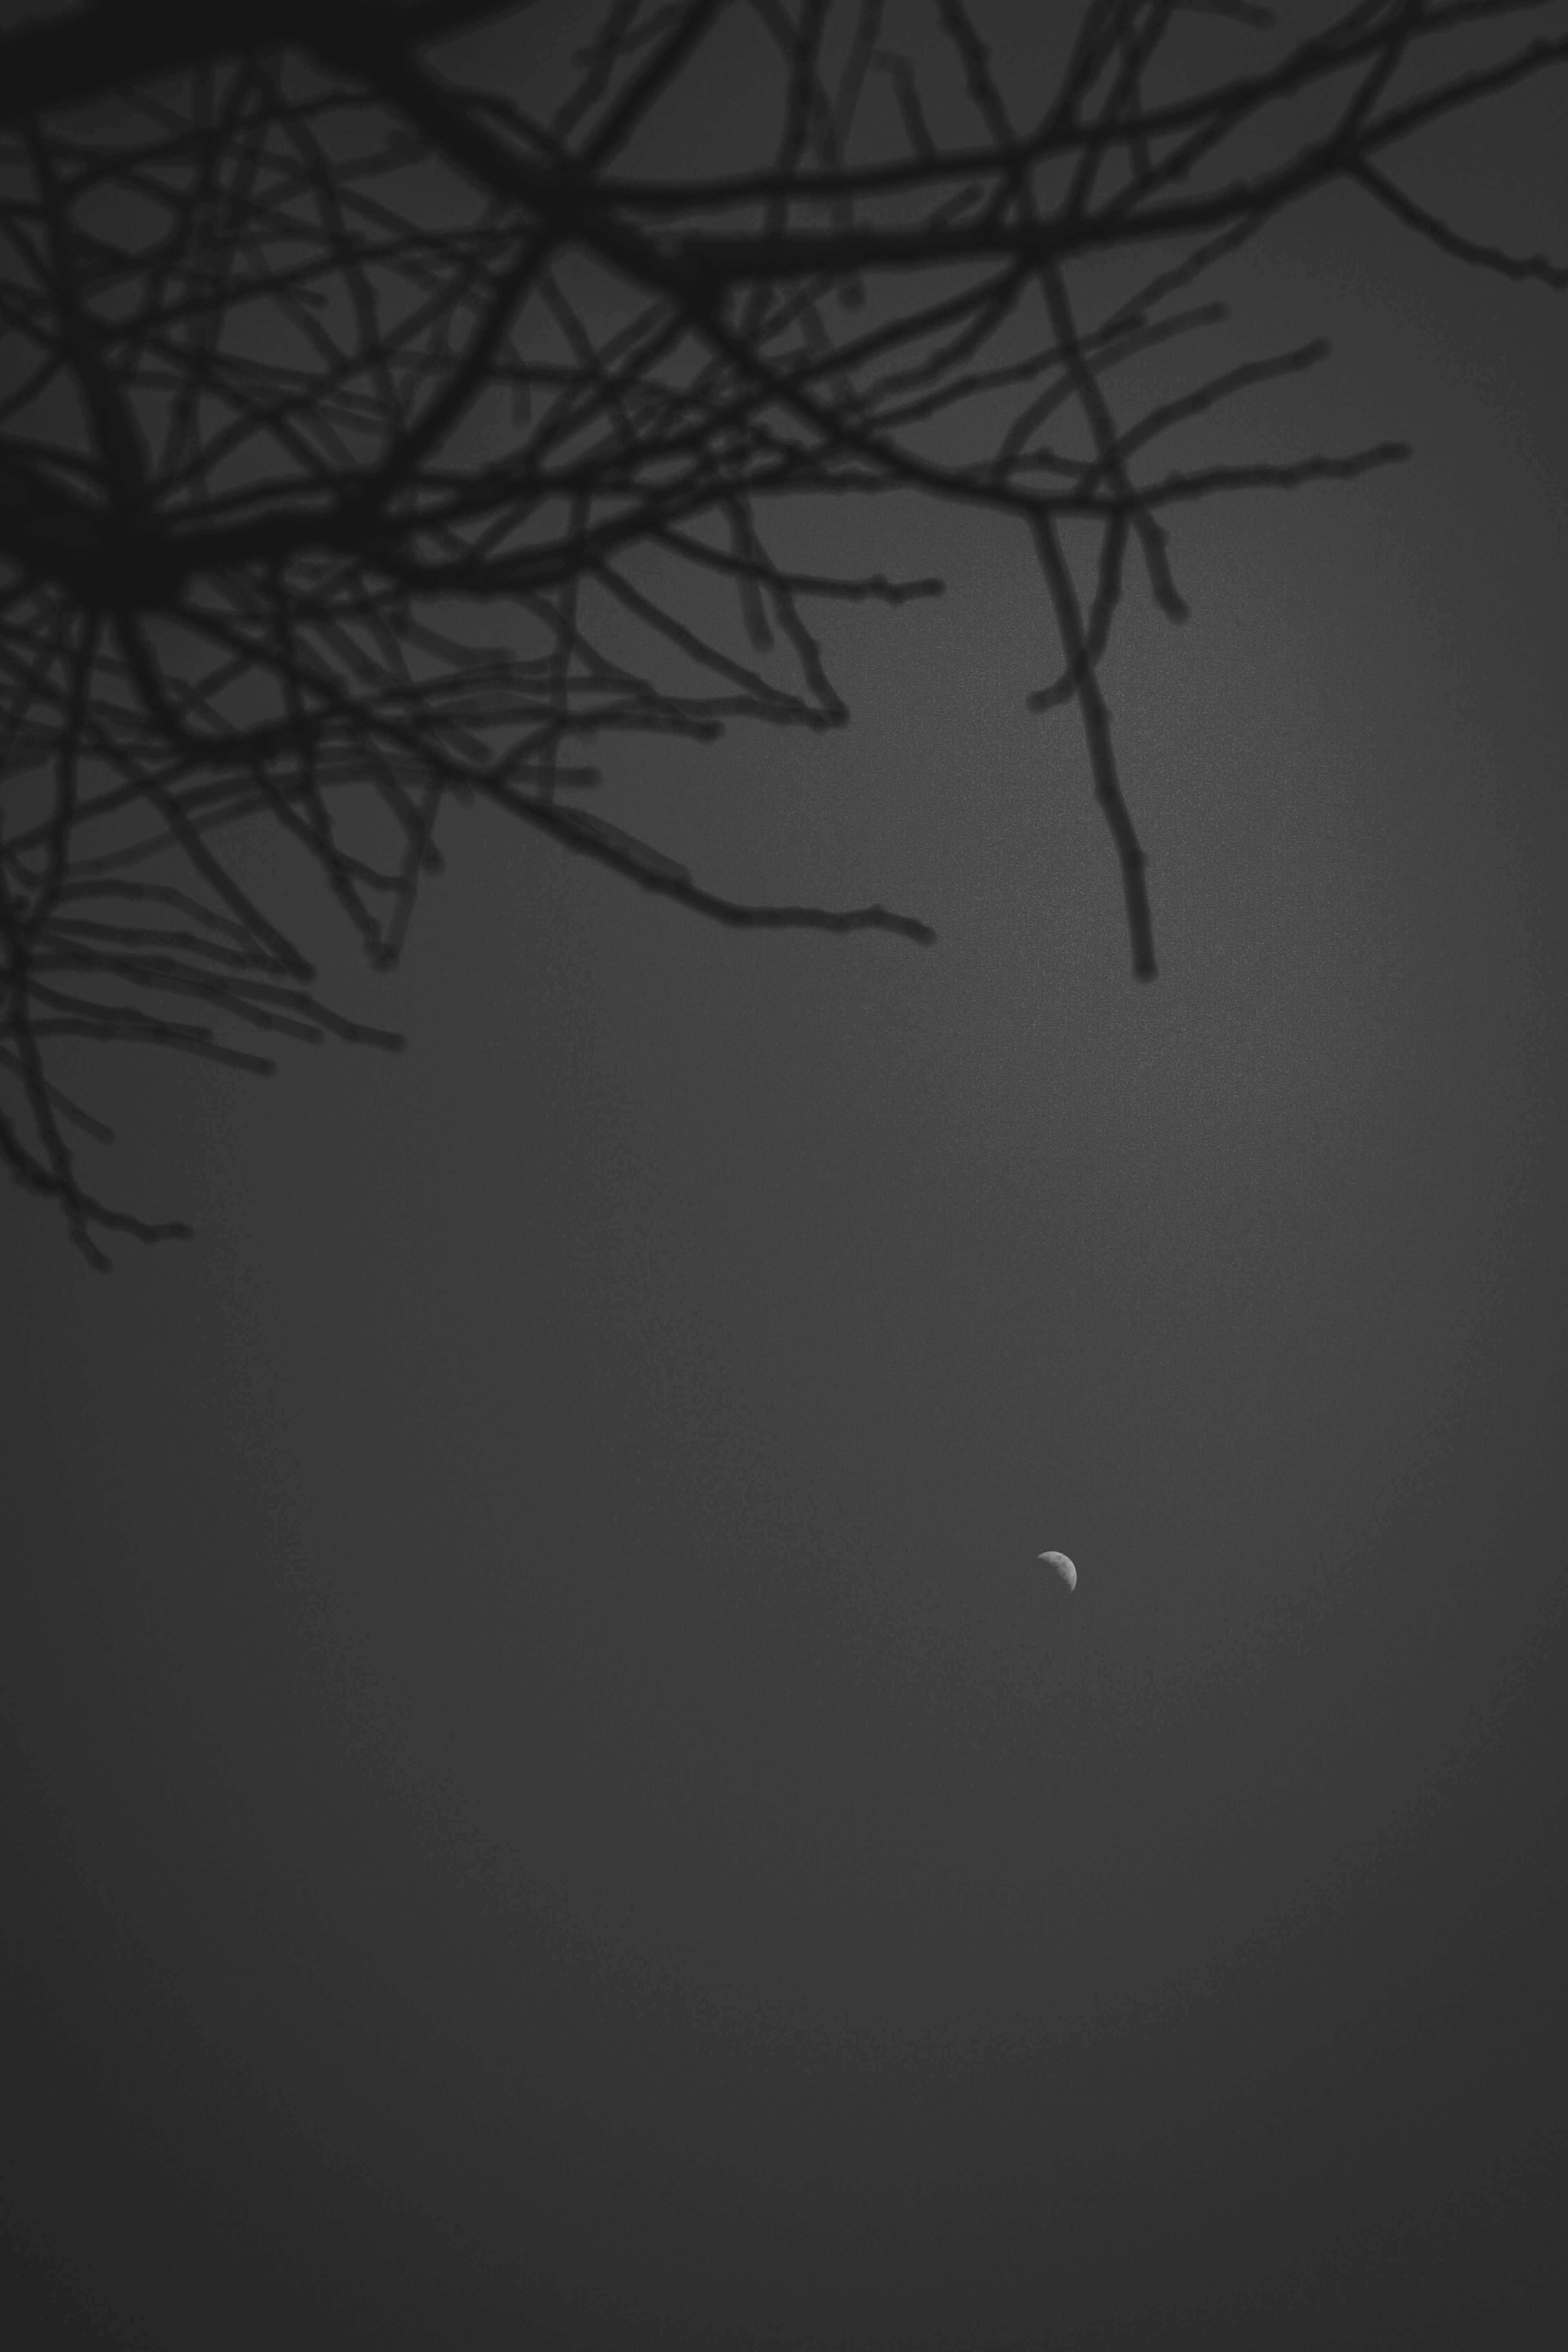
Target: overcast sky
550,1800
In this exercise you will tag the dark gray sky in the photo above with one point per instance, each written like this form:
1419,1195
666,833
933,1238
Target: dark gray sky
549,1798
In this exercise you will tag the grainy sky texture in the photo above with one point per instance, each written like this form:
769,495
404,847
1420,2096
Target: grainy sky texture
550,1800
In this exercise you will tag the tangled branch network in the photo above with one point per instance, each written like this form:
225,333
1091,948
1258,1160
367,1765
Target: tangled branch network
319,349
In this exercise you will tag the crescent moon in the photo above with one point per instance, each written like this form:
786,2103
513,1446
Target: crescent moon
1063,1566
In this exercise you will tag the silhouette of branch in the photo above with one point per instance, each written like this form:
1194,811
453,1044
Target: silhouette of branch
317,355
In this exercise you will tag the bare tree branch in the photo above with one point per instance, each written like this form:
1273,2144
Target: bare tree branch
315,355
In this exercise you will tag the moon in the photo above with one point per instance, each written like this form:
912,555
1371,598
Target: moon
1063,1566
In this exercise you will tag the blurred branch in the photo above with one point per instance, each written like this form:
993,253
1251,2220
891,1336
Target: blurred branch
316,355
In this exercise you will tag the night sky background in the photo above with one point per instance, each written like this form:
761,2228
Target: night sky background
548,1797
